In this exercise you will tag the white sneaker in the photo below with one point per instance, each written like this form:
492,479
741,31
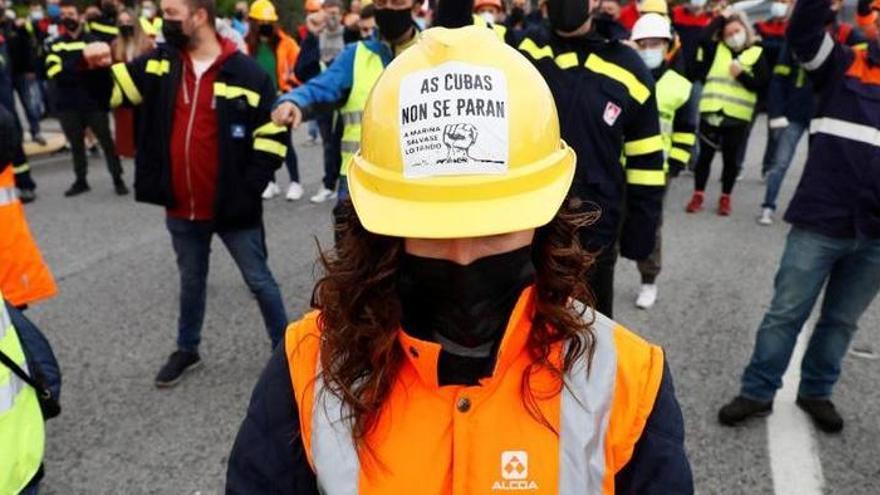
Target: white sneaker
271,191
863,351
294,191
323,195
766,217
647,296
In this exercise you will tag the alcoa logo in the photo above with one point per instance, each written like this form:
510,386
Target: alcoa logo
514,472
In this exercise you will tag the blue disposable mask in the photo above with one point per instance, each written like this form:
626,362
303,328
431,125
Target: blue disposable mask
652,57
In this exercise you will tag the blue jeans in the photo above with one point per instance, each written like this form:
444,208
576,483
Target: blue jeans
785,143
192,245
851,268
29,93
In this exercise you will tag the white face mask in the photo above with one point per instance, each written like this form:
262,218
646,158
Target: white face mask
37,15
778,9
698,3
148,11
488,17
652,57
736,41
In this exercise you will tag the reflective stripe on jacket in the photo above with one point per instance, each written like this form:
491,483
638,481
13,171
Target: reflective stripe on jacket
24,276
21,421
722,92
481,439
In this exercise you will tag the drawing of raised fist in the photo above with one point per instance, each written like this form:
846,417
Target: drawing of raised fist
459,138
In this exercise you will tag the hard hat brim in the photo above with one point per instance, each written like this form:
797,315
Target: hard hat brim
460,206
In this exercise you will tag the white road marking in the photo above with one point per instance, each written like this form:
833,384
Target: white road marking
794,456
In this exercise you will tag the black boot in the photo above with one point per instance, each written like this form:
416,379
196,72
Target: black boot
823,413
78,187
120,187
741,409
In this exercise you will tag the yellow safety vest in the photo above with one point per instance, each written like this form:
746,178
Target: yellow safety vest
673,91
368,67
499,30
21,421
725,94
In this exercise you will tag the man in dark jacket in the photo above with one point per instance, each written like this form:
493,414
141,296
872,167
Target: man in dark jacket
83,100
834,241
206,151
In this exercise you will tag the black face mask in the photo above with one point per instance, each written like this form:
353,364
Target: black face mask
469,305
267,30
127,31
393,23
517,15
567,15
70,24
238,15
108,10
174,35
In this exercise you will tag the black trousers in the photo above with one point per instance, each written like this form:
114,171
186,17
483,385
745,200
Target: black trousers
74,125
330,126
730,139
600,279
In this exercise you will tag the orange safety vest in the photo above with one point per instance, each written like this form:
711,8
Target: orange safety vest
24,276
481,439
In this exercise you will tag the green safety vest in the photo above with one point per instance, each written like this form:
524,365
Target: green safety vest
368,67
21,421
722,93
673,91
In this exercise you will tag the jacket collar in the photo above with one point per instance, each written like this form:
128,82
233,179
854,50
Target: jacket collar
424,355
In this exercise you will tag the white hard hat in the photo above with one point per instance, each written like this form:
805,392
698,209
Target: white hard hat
651,26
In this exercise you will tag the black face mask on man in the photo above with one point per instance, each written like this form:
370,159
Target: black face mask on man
126,30
469,305
70,24
174,35
567,16
393,23
267,30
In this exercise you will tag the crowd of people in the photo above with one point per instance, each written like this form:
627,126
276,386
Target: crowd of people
437,301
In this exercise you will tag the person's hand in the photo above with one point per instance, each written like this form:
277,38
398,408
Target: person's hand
97,54
287,114
316,22
735,69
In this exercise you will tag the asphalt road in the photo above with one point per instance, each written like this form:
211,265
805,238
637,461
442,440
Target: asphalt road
113,324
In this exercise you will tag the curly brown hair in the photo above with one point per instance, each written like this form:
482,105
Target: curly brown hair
361,311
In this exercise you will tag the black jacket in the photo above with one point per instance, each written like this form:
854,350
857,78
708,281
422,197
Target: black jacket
608,114
75,88
245,166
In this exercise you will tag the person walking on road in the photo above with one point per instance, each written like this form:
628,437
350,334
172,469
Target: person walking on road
834,241
445,320
276,52
205,152
733,70
82,100
653,35
347,82
131,43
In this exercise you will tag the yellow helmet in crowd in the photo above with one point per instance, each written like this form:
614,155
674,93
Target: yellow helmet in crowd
263,11
459,142
655,7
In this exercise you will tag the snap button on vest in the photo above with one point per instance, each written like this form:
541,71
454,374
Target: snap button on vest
464,405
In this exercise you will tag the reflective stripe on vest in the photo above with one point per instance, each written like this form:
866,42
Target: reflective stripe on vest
367,68
599,414
21,421
722,93
673,91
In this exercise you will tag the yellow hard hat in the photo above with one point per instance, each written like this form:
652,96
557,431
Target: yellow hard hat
263,10
654,6
459,142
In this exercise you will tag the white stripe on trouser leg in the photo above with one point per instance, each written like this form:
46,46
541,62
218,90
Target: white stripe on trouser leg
585,411
336,462
794,458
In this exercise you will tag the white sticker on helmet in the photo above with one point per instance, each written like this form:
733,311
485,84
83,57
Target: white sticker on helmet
454,121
